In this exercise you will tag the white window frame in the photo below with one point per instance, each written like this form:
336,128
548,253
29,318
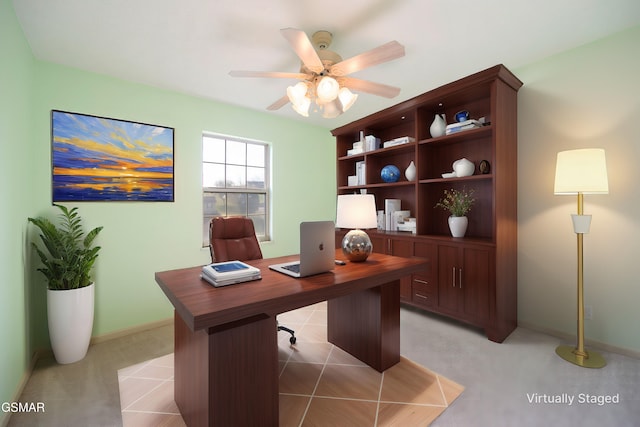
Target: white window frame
225,191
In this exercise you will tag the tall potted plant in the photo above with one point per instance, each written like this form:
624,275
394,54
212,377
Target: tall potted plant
458,203
68,256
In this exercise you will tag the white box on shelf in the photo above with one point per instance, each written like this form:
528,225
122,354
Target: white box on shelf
361,173
390,206
381,224
371,143
352,180
399,141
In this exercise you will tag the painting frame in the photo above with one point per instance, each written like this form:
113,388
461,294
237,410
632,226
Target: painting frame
98,159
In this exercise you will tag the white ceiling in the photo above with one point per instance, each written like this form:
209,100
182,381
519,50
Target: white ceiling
190,46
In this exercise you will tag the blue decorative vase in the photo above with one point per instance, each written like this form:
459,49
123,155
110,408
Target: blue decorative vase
390,173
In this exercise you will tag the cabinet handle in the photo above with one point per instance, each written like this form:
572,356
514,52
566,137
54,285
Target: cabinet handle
460,277
424,282
421,296
453,279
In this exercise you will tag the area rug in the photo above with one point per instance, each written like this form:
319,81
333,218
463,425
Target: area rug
320,385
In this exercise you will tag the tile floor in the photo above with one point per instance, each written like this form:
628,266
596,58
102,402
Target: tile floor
319,385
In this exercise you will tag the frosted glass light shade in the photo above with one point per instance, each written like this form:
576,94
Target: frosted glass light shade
356,211
581,171
301,106
327,89
297,92
331,109
347,98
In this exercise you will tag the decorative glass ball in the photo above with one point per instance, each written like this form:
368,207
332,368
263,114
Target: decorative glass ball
357,246
390,173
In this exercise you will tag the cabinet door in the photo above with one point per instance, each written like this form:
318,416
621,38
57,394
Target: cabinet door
464,277
403,248
379,244
448,286
474,279
396,247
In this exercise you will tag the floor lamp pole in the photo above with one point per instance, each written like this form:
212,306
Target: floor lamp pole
578,355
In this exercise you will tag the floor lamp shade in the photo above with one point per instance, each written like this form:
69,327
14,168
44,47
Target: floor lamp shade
356,211
580,172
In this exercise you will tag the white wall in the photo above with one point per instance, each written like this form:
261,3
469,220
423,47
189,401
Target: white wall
587,97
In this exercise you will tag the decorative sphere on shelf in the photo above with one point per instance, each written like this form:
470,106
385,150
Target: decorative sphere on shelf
390,173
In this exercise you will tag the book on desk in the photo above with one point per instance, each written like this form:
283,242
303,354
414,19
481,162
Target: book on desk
229,273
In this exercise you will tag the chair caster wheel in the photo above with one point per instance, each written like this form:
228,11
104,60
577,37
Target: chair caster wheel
292,340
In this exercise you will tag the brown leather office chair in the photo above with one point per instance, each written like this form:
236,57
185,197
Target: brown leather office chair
234,238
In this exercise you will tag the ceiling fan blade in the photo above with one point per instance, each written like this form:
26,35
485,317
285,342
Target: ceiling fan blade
360,85
278,104
273,74
301,44
380,54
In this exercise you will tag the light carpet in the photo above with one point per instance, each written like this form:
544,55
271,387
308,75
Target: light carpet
320,385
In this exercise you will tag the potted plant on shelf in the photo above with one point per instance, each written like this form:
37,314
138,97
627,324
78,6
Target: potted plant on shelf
68,257
458,203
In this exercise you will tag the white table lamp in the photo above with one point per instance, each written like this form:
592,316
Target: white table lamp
356,211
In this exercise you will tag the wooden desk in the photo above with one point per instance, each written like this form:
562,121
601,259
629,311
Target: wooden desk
226,351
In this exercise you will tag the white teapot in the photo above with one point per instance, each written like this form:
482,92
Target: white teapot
463,167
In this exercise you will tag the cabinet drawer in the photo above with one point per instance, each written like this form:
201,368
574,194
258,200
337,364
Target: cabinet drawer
422,293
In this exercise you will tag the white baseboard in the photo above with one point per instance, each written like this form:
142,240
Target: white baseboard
592,343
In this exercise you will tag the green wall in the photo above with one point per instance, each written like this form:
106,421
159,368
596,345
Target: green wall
141,238
16,202
138,238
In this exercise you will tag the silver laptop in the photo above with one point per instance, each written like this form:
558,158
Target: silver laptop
317,250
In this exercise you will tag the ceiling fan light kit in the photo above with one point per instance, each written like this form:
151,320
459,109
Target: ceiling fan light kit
324,72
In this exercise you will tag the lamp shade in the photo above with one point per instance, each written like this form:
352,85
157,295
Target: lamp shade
327,89
347,98
356,211
581,171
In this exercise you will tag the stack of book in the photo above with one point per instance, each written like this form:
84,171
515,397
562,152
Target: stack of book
462,126
398,141
229,273
367,143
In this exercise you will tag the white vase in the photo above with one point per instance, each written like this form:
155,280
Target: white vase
464,167
70,316
458,225
410,172
438,126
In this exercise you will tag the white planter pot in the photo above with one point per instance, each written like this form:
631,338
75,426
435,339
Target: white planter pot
70,315
458,225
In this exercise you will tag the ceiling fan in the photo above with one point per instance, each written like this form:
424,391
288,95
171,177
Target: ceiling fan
324,74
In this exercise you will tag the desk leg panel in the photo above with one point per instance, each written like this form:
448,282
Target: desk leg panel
366,324
236,372
191,369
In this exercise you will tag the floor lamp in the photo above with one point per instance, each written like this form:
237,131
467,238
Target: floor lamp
580,172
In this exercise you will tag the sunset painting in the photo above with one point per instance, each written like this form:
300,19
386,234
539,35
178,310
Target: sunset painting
101,159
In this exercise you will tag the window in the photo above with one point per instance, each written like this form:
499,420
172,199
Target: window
235,181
